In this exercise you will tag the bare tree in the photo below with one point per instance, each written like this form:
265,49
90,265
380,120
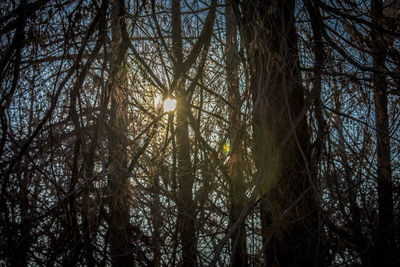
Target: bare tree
281,148
237,184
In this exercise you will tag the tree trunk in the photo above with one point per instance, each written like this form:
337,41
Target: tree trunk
156,218
186,207
281,148
19,251
237,187
386,233
121,254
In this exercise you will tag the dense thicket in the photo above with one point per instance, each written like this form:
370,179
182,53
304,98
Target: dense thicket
283,149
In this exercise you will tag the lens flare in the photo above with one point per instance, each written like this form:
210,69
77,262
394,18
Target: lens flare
227,148
169,105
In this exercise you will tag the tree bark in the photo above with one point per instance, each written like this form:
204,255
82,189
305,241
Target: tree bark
237,186
121,253
281,148
186,207
386,232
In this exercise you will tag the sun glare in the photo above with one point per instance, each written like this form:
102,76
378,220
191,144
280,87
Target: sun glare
169,104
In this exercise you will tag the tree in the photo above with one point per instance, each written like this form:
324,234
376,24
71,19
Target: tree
120,237
386,234
281,148
237,184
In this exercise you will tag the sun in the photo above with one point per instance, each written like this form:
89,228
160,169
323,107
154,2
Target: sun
169,104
